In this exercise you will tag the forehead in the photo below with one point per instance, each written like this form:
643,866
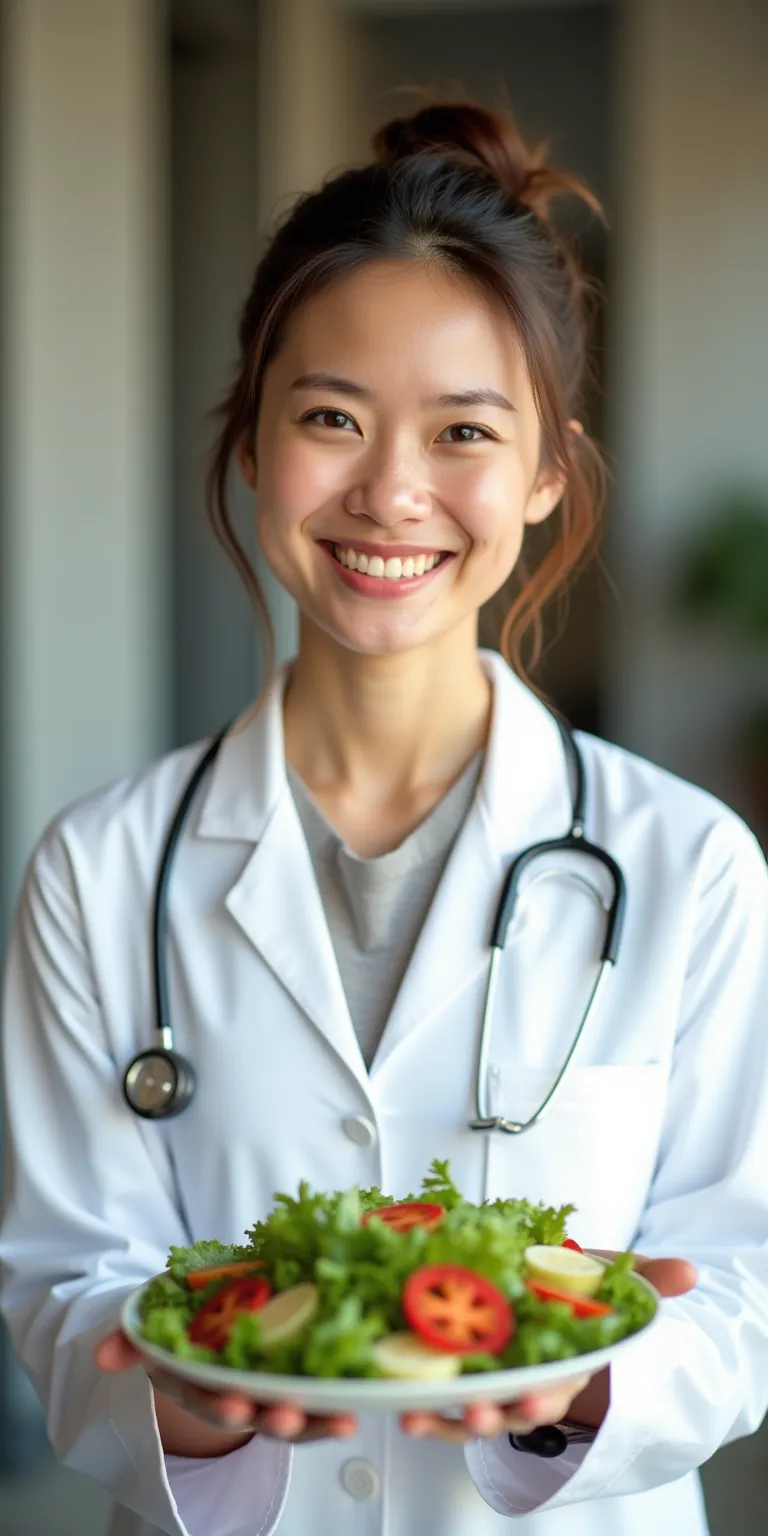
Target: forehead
405,323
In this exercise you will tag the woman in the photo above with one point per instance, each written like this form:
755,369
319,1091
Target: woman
406,404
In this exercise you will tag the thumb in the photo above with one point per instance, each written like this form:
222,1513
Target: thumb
116,1353
671,1277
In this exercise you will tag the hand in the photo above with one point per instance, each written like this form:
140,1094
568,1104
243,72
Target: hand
585,1399
226,1411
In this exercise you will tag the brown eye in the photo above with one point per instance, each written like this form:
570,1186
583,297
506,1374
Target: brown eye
463,432
326,417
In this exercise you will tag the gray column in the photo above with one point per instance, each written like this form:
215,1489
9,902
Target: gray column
85,422
84,636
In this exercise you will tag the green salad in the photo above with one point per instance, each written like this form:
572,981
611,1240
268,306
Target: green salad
354,1283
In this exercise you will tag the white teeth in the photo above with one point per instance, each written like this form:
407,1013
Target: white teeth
392,569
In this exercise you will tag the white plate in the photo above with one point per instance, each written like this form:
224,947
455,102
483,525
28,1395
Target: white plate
352,1395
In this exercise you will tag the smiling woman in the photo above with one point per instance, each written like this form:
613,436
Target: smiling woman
345,1005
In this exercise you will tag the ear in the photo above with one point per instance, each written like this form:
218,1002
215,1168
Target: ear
548,491
246,461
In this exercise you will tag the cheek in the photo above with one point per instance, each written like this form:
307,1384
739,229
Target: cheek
488,501
296,480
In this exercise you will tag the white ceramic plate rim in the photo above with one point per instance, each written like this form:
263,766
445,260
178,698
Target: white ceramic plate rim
347,1394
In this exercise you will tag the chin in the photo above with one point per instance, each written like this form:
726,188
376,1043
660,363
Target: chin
374,642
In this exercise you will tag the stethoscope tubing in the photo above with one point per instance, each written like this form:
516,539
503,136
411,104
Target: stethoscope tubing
163,1026
180,1084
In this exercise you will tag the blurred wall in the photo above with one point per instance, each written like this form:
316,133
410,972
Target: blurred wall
690,388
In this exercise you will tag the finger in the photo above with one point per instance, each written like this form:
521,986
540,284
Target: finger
232,1410
435,1427
485,1419
283,1420
671,1277
336,1426
548,1407
116,1353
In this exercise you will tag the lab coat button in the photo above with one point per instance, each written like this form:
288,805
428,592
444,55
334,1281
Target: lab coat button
360,1479
359,1130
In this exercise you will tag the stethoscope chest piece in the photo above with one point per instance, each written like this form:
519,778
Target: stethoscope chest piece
159,1083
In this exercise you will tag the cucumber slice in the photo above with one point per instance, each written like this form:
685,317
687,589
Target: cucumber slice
406,1357
572,1271
288,1314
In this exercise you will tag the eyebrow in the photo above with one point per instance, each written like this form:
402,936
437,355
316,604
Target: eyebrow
336,385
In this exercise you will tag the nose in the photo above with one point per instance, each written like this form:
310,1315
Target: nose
391,488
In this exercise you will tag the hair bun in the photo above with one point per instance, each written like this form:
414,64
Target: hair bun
476,136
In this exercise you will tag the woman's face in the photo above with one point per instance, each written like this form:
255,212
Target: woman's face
396,457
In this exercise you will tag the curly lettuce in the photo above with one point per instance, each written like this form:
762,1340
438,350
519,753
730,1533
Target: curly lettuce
360,1271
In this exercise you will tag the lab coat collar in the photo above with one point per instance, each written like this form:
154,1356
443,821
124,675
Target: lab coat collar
524,783
523,796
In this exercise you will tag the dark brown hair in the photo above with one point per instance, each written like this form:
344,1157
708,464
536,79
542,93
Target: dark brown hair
457,185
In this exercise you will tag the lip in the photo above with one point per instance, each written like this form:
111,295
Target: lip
381,586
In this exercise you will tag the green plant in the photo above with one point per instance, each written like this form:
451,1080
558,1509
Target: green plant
724,573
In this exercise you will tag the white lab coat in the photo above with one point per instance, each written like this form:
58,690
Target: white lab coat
660,1135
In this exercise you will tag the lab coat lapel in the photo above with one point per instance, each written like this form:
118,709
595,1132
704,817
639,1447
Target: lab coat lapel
523,797
275,900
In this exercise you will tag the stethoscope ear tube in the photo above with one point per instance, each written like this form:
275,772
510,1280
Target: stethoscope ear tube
574,842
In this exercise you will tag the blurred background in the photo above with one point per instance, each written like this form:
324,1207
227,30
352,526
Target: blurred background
145,147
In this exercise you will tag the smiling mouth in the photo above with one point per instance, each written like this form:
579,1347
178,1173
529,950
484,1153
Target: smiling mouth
393,568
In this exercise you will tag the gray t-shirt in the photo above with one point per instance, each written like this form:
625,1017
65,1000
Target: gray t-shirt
375,908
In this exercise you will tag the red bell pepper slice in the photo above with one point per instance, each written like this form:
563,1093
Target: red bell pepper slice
454,1309
408,1214
212,1325
570,1242
198,1279
581,1306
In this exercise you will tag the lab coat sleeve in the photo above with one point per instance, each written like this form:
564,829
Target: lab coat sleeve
88,1214
700,1378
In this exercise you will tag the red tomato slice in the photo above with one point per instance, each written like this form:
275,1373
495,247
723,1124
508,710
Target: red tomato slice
570,1243
212,1325
456,1310
581,1306
197,1279
409,1213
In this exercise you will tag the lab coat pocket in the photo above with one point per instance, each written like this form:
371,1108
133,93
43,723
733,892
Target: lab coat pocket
595,1146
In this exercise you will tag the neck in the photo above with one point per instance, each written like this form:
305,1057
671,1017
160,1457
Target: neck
385,723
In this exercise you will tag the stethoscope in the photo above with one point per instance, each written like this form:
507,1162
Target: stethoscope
160,1082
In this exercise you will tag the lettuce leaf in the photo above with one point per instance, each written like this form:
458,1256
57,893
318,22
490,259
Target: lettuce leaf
204,1254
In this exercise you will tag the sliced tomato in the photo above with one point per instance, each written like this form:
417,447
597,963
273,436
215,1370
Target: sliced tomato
197,1279
570,1243
409,1213
454,1309
581,1306
212,1325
